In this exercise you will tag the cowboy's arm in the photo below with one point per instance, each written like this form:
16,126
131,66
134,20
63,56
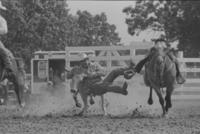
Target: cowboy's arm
95,71
3,26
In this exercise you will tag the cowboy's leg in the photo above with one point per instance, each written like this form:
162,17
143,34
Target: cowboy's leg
104,87
180,78
90,82
114,74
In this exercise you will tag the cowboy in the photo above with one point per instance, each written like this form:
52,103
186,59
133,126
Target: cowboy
94,74
94,71
5,54
162,46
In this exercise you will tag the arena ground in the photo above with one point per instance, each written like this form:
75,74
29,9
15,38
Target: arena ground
54,114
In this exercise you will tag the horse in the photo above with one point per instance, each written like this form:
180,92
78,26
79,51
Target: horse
82,84
160,72
16,77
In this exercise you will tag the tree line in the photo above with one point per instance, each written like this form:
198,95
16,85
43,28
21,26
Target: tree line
47,25
178,19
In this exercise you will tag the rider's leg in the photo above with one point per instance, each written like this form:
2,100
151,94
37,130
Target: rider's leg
180,79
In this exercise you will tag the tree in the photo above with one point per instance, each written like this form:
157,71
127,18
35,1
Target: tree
35,25
93,30
47,25
179,20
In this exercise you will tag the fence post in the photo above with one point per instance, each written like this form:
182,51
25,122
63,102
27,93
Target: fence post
182,65
109,61
132,52
67,58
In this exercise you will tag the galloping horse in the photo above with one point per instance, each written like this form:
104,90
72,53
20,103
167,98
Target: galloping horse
15,77
160,72
82,84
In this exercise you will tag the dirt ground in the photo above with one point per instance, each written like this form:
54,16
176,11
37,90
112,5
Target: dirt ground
130,115
183,119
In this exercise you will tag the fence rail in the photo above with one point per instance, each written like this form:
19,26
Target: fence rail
110,54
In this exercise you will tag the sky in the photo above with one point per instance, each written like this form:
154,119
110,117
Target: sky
113,10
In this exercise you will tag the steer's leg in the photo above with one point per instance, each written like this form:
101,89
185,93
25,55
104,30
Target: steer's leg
103,106
85,107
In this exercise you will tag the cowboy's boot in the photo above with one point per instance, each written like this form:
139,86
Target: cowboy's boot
180,79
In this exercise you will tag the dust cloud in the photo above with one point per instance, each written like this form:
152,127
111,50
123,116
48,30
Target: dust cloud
58,100
51,100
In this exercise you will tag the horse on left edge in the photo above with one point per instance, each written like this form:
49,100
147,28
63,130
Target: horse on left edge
15,77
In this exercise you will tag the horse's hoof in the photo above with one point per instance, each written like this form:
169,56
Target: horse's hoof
166,115
150,101
78,105
168,105
166,109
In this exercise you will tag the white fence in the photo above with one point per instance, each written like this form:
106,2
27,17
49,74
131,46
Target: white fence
190,68
118,56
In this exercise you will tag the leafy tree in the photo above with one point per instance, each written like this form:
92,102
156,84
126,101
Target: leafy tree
179,20
35,25
94,30
47,25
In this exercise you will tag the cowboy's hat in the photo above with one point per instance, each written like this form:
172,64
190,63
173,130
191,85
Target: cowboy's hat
83,57
2,7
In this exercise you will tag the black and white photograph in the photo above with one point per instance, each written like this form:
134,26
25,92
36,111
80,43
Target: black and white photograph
99,67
